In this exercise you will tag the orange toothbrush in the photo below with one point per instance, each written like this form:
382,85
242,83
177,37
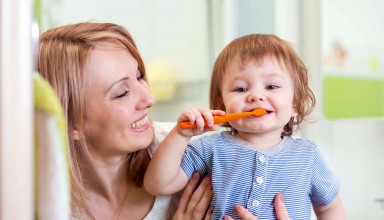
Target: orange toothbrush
227,117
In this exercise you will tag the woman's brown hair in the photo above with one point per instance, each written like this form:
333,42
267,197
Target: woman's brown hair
63,54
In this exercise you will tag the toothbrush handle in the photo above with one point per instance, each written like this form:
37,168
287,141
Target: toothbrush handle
218,119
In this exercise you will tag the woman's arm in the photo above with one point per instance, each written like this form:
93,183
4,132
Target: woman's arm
194,202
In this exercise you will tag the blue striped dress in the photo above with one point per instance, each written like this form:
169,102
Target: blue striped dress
244,176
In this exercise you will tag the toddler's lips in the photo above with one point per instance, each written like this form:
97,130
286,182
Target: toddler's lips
265,113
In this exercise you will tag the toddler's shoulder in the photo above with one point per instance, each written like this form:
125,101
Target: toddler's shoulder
298,142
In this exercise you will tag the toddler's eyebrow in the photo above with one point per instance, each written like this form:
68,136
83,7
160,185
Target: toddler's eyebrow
274,75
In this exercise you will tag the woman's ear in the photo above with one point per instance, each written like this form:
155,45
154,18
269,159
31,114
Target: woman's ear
294,110
294,113
75,135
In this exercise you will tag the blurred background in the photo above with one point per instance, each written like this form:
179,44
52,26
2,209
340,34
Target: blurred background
340,41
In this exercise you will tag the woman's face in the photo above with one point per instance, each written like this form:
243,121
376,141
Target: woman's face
117,102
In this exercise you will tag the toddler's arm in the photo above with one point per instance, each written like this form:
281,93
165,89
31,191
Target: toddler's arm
335,210
164,175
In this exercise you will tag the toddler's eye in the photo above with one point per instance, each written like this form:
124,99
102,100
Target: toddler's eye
271,87
241,89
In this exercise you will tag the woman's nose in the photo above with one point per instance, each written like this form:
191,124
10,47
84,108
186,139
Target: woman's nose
146,99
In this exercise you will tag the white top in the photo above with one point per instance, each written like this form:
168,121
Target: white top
159,208
162,203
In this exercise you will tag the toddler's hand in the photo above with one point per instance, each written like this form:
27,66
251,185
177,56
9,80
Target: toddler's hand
198,116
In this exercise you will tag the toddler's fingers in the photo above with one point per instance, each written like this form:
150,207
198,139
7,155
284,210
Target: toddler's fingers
207,115
217,112
199,120
188,115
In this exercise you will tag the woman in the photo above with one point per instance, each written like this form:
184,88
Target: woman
100,79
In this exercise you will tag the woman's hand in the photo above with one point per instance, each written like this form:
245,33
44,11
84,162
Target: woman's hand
281,211
194,203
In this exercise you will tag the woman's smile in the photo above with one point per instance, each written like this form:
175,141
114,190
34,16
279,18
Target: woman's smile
140,123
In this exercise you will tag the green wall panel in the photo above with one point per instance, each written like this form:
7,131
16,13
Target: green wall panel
348,97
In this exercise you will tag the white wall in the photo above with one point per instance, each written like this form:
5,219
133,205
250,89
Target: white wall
168,29
358,26
357,157
173,31
355,147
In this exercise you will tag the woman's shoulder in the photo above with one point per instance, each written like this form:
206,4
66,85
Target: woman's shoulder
161,129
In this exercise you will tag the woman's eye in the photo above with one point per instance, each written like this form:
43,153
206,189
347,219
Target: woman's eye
241,89
141,77
121,95
271,87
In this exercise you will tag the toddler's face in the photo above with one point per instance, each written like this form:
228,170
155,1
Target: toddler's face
265,84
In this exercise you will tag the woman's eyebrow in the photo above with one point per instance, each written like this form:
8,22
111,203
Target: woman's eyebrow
116,82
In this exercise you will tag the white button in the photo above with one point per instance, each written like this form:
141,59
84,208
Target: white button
259,180
255,203
262,159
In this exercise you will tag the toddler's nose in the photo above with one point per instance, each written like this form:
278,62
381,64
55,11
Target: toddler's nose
255,96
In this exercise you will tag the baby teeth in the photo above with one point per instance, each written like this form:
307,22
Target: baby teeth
139,123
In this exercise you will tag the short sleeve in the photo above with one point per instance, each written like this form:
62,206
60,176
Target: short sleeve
194,158
325,186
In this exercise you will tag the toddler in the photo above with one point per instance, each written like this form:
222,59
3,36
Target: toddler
257,157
